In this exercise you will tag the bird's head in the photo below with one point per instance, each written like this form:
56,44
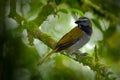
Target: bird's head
85,25
83,21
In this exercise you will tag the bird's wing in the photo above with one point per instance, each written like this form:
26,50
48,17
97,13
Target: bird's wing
69,39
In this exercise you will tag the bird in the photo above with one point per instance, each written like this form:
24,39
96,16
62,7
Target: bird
74,39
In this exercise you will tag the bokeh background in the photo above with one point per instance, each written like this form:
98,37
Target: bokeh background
29,29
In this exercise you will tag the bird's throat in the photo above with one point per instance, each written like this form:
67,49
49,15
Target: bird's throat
87,29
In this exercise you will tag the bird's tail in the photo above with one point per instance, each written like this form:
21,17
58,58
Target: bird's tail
46,57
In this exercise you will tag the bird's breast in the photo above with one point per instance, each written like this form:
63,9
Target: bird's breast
80,43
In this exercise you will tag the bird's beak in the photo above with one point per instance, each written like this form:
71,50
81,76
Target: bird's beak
77,22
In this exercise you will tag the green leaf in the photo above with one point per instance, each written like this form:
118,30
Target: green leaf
97,24
45,12
63,10
77,11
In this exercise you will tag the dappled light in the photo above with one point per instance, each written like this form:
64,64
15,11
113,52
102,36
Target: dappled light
32,29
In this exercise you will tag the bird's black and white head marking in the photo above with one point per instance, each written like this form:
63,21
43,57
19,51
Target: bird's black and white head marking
85,24
83,21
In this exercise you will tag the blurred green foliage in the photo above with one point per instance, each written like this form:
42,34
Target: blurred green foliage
29,29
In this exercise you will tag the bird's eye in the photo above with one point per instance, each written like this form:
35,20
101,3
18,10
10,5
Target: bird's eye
83,21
